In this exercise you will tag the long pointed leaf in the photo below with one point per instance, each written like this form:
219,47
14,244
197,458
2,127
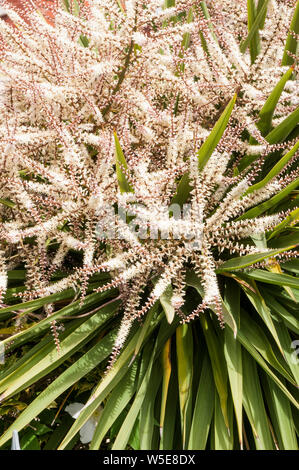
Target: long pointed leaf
184,344
212,141
203,409
233,354
291,43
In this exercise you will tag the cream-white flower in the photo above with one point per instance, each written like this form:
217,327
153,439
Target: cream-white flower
88,429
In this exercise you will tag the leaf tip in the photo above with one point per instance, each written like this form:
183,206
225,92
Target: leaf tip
132,360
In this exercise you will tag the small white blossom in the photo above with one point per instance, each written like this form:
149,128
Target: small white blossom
88,429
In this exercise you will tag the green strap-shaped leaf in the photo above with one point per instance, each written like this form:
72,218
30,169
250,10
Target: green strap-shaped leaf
275,170
184,347
121,167
169,3
254,45
259,303
256,336
204,7
71,309
292,266
281,132
259,7
124,433
292,217
291,43
66,4
233,353
284,313
185,45
65,380
8,203
267,111
221,439
111,379
281,416
290,241
286,342
187,36
116,403
258,350
254,27
254,402
171,412
183,190
215,349
273,278
144,328
203,409
37,303
273,201
253,11
274,267
204,153
166,366
33,355
241,262
147,421
32,372
105,386
212,141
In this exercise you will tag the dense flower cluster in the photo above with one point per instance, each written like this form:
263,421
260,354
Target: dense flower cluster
159,78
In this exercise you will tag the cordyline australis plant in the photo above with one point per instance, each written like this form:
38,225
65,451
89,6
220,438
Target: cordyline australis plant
149,154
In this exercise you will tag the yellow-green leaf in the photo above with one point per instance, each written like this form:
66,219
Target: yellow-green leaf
166,365
184,344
